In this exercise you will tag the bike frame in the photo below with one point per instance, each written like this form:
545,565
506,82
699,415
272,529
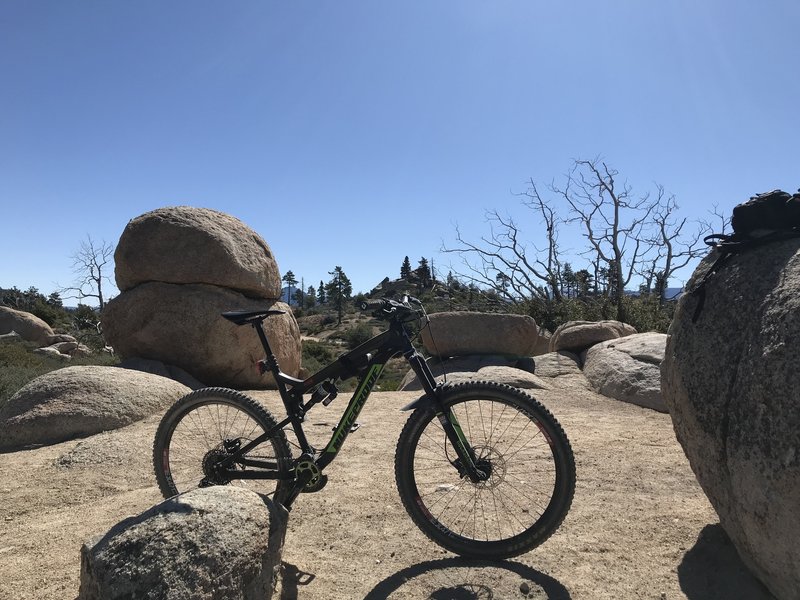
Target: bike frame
366,361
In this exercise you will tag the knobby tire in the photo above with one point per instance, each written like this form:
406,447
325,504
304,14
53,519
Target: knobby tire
194,429
517,441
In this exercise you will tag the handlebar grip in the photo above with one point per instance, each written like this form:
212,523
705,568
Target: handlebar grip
366,305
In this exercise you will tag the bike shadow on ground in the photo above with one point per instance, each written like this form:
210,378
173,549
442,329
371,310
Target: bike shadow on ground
291,579
464,579
712,570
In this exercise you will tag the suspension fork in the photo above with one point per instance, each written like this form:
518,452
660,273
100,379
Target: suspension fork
446,416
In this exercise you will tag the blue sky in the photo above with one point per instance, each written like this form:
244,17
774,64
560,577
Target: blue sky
356,133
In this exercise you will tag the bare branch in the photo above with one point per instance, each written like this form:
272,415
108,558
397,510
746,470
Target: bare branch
91,264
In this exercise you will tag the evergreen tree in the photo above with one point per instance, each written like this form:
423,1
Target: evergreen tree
502,280
452,282
311,297
567,280
49,309
583,283
423,273
338,290
321,297
291,281
405,269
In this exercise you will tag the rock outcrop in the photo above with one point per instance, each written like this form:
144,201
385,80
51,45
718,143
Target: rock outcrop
577,336
184,244
628,369
178,269
527,372
467,333
730,381
562,368
216,543
81,401
542,343
477,368
181,325
29,327
156,367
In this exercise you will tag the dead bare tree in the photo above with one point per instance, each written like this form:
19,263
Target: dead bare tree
91,265
613,221
718,222
516,271
675,242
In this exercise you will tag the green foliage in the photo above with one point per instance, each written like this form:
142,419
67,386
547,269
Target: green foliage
86,327
392,375
405,269
644,313
423,273
19,365
338,290
357,335
316,355
48,308
310,299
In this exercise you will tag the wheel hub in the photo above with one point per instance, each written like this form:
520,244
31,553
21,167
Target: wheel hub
492,464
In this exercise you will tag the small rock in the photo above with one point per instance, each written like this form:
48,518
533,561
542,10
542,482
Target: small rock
525,588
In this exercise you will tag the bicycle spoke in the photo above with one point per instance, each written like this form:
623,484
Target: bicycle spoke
510,446
200,436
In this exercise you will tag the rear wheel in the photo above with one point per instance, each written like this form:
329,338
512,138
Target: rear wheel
526,459
202,429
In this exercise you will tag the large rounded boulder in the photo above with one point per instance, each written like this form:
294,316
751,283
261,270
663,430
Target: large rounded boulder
467,333
576,336
184,244
215,543
496,368
181,325
29,327
628,369
81,401
731,383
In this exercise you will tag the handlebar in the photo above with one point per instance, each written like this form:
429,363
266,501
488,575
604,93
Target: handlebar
392,310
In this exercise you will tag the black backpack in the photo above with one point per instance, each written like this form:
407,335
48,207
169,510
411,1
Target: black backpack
765,218
773,211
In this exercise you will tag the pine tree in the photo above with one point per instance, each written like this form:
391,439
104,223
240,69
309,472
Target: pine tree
338,290
291,281
311,297
423,273
321,297
567,280
405,269
583,283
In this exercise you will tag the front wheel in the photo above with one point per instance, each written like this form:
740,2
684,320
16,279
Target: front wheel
526,459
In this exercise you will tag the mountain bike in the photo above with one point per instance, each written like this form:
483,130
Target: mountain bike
482,468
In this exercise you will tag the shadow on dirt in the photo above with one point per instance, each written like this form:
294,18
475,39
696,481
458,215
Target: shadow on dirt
713,570
291,578
463,579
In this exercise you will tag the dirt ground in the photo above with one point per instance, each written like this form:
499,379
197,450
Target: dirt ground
640,527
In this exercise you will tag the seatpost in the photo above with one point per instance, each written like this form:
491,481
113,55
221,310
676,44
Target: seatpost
270,360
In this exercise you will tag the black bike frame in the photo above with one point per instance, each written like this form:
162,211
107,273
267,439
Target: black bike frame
366,362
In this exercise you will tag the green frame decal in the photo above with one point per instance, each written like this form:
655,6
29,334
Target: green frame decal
354,408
